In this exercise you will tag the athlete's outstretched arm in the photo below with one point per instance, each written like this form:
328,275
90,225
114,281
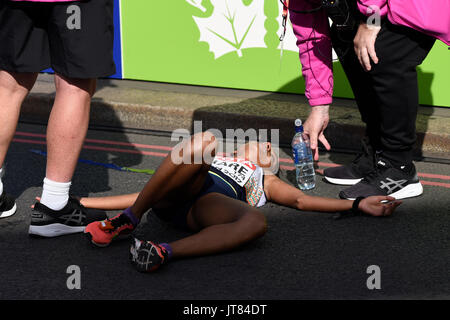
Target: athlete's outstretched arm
119,202
282,193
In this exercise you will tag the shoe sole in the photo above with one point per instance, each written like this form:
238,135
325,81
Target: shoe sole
104,245
100,245
342,182
410,191
54,230
9,213
134,256
137,261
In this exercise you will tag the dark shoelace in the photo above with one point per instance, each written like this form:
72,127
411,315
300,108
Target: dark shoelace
119,221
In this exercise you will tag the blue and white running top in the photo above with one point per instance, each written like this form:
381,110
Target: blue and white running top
243,174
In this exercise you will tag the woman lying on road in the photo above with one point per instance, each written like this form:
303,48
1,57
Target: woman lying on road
217,202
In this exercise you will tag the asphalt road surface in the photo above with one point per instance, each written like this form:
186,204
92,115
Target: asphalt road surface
304,255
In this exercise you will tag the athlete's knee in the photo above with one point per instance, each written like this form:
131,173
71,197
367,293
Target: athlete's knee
203,147
256,222
203,140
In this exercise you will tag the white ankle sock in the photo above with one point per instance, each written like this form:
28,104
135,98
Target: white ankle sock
1,183
55,195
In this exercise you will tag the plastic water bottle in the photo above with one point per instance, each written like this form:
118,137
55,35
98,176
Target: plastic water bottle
303,159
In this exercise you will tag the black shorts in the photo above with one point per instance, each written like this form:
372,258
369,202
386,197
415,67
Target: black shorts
215,182
74,38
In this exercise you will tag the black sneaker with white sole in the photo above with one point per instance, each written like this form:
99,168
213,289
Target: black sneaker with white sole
73,218
7,205
386,180
354,172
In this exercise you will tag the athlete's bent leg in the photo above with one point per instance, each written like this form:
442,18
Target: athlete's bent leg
172,182
184,179
222,223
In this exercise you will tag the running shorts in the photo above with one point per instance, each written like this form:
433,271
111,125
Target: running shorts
74,38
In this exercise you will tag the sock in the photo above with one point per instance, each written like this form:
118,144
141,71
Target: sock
134,220
1,183
55,195
168,249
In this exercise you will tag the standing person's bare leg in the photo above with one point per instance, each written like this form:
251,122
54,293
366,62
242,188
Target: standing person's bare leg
14,87
79,52
66,131
56,214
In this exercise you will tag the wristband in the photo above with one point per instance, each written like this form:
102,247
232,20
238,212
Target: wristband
355,205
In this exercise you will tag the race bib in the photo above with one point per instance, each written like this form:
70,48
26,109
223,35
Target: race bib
239,170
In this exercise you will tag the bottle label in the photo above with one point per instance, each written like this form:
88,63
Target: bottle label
295,155
301,152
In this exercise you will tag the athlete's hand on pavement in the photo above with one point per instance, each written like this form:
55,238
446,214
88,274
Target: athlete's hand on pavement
364,45
379,206
314,127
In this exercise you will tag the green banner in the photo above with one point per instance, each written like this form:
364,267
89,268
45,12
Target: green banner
235,44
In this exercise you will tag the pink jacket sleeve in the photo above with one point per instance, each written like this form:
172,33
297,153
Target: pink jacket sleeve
368,7
313,40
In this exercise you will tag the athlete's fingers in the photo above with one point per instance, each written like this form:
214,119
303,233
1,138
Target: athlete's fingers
384,199
383,210
391,207
38,199
396,204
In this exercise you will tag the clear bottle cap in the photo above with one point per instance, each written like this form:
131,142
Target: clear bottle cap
298,122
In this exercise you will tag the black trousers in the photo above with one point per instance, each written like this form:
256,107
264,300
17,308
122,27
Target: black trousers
387,96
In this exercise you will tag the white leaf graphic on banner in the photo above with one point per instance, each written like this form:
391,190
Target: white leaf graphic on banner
197,4
233,27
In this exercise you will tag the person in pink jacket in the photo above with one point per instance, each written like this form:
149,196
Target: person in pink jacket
379,43
75,38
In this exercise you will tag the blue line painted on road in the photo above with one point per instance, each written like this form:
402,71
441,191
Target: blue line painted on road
106,165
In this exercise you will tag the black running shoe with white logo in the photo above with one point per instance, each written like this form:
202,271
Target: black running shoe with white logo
147,256
7,205
73,218
354,172
386,180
